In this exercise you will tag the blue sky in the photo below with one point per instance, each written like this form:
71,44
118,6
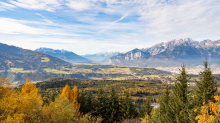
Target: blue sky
92,26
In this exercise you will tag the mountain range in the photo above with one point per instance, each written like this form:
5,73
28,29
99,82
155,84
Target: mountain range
171,53
15,57
64,55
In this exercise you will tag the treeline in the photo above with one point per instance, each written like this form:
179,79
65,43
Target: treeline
178,105
27,105
138,89
183,106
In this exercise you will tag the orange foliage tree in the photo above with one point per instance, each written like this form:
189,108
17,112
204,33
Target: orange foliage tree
73,97
76,104
66,92
9,103
210,113
30,102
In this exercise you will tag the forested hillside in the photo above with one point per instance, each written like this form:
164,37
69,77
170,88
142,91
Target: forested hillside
15,57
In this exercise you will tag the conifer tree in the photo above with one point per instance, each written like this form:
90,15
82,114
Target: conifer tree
165,112
113,110
206,88
82,101
127,108
101,105
146,108
180,99
89,103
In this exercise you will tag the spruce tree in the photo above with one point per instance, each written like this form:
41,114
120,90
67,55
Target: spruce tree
101,105
127,108
146,108
113,110
206,88
89,103
165,113
82,101
180,99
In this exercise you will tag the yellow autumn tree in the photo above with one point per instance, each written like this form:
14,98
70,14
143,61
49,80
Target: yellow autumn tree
210,113
60,111
76,104
30,102
8,103
87,118
66,92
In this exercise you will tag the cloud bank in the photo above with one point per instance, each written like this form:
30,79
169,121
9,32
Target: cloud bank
120,23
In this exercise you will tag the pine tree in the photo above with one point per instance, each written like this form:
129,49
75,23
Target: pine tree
206,88
113,110
180,99
127,108
82,101
165,113
101,105
89,103
146,108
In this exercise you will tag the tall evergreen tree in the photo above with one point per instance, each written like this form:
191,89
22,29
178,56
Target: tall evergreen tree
206,88
165,113
146,108
180,99
101,105
82,101
127,108
89,103
113,110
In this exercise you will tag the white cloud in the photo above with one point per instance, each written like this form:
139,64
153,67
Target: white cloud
5,6
48,5
45,19
79,5
120,21
183,19
77,46
10,26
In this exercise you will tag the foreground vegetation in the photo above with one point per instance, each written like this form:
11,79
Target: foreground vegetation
138,89
177,105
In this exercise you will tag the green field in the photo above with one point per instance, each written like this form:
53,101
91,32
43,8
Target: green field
45,59
84,71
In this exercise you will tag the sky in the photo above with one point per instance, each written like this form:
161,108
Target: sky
93,26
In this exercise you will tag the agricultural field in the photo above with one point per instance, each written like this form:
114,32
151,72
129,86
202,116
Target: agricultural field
83,71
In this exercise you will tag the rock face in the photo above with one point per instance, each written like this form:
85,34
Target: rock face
64,55
171,53
133,56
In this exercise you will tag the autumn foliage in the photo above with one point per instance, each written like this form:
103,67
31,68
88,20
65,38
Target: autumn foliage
27,105
210,113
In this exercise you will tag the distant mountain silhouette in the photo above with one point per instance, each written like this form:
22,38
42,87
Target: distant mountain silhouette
171,53
11,56
64,55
